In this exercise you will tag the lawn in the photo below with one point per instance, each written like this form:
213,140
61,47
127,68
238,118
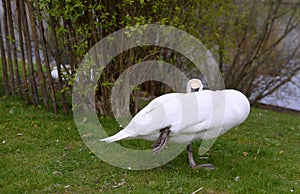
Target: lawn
43,153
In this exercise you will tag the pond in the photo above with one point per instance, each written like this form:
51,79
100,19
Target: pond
287,96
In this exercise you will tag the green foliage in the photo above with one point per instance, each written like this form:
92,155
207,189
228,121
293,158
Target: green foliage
43,153
237,32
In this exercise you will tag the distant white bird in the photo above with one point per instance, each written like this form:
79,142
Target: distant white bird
186,117
64,72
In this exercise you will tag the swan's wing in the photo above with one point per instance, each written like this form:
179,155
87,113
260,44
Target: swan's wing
177,111
159,113
218,111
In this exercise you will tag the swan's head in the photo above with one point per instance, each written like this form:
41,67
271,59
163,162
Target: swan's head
194,85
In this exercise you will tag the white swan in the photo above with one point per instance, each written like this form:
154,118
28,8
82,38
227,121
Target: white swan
64,72
186,117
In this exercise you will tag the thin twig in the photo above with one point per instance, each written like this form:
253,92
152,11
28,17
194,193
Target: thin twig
201,188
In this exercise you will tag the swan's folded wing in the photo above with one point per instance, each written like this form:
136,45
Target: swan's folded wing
155,116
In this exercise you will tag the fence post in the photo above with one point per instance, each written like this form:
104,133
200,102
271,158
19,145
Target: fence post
4,65
21,40
48,71
7,41
14,49
37,54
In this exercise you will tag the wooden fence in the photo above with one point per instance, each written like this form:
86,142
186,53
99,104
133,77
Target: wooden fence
26,60
37,38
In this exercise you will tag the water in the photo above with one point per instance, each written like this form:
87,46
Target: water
287,96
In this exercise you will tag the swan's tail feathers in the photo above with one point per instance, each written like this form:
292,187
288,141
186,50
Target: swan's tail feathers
119,136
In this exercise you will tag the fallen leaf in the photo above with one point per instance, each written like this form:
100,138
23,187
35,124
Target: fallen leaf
245,154
57,173
281,152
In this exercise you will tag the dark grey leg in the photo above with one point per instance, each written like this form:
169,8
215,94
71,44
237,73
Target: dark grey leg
192,163
189,149
162,140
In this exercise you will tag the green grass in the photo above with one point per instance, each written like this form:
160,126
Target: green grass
43,153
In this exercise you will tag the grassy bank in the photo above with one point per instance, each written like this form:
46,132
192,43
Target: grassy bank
43,153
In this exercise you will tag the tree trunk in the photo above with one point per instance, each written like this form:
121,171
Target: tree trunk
58,62
92,24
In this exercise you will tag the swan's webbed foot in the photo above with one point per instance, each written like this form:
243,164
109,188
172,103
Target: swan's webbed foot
205,166
162,140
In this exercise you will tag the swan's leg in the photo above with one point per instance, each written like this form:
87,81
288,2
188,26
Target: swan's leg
162,140
192,163
189,149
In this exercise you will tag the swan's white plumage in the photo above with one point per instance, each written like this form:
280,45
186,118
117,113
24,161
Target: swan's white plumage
189,116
